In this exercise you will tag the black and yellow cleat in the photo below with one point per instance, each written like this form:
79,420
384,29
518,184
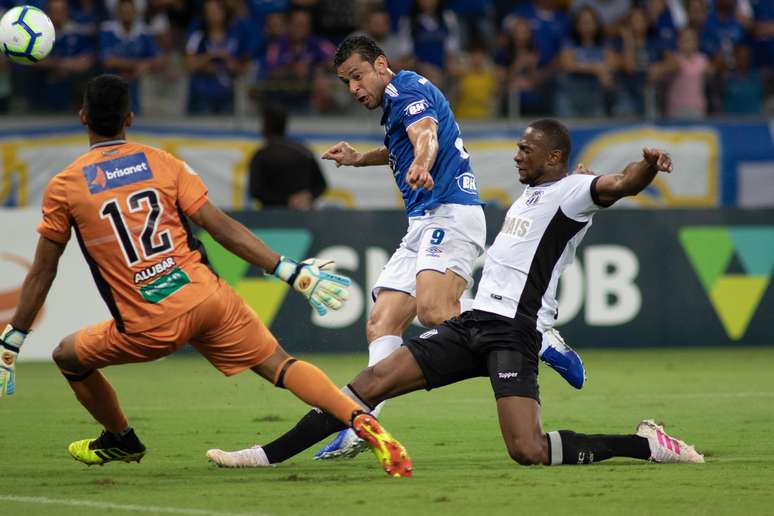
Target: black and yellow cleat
108,447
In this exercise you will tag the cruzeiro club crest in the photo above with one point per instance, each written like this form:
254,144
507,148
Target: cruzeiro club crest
734,265
263,294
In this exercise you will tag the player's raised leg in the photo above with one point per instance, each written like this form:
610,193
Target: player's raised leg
118,442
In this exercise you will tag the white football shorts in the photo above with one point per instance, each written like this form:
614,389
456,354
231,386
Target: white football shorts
451,236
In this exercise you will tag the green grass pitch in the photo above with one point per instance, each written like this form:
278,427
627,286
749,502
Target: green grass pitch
720,400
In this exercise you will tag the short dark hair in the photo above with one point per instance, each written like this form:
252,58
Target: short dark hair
106,104
274,120
557,134
363,45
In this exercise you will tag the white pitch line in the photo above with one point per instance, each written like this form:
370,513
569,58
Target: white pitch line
150,509
679,396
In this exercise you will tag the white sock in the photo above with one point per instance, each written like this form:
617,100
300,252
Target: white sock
544,344
378,350
466,303
260,457
381,348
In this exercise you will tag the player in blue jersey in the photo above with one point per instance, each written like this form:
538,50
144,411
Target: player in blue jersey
433,265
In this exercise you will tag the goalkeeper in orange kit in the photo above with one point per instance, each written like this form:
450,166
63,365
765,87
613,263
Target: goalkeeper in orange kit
128,205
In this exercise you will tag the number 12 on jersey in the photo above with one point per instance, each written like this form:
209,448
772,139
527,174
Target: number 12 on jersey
152,244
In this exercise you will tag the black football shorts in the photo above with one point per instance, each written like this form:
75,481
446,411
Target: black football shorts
477,344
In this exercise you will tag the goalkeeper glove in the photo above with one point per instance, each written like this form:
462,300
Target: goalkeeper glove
11,341
323,289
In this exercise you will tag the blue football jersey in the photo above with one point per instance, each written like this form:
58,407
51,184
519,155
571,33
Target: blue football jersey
409,98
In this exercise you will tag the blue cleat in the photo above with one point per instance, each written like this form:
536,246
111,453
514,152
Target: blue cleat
346,445
563,359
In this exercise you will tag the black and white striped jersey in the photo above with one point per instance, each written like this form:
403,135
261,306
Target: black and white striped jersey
536,243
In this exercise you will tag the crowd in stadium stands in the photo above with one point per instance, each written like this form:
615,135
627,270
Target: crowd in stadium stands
571,58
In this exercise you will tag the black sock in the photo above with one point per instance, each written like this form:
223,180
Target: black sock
313,427
567,447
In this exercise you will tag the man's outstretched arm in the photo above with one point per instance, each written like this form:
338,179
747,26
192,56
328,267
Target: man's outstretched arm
324,290
37,283
345,154
634,178
34,291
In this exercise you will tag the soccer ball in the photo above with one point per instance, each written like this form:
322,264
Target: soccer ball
26,34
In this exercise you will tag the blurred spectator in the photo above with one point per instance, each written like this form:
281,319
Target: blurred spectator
88,14
5,86
434,35
65,71
274,28
610,12
398,9
662,20
259,9
476,19
242,30
333,19
295,66
763,32
212,62
550,26
725,30
157,21
587,65
476,85
743,87
521,78
127,48
284,173
688,68
377,27
696,11
638,53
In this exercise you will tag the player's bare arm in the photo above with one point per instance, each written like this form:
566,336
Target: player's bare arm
34,292
424,137
323,289
635,177
38,282
345,154
235,237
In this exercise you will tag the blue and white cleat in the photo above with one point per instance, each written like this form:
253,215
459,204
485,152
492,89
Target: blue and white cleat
563,359
346,445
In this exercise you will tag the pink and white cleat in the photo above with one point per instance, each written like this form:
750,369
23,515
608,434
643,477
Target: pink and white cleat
665,449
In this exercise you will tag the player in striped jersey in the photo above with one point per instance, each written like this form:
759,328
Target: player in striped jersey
499,338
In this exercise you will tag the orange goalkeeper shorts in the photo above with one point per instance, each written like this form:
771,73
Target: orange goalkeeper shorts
222,328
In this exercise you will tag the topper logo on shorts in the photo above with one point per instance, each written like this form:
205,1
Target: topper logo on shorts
467,183
416,107
116,172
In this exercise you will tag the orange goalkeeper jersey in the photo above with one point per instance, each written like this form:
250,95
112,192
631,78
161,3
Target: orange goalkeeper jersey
127,203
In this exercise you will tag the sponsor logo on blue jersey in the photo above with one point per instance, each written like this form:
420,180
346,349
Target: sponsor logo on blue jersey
416,107
116,172
467,183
